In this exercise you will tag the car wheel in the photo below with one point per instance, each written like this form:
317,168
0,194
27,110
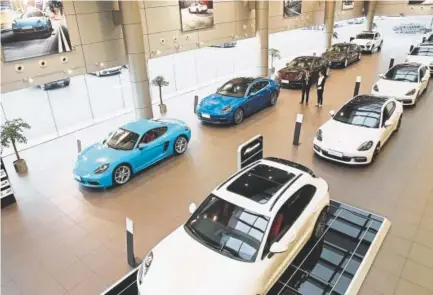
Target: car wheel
416,99
346,63
320,226
399,123
180,145
122,174
238,117
376,152
274,98
67,84
380,46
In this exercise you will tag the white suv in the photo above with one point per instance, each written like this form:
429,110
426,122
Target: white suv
242,236
369,41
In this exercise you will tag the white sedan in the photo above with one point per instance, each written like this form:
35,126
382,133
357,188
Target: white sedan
405,82
243,235
356,133
423,54
197,8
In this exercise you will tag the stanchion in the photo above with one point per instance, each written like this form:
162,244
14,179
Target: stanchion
130,243
411,48
297,134
423,39
195,103
357,85
391,63
79,145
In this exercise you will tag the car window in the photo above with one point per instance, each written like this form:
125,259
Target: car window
402,73
32,13
228,229
288,214
423,51
358,116
388,111
254,88
153,134
422,72
234,88
122,139
302,62
365,36
263,84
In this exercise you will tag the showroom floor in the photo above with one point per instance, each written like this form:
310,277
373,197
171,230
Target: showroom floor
60,239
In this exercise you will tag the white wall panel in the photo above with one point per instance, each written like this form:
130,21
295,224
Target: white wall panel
185,70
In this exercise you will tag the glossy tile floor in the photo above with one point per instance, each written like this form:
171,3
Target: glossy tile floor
62,239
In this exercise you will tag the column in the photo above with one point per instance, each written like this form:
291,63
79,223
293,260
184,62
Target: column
137,60
329,22
262,18
370,14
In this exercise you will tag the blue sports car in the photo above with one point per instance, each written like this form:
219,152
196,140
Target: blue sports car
130,149
32,21
238,98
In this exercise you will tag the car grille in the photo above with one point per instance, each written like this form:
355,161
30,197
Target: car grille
215,119
344,158
405,101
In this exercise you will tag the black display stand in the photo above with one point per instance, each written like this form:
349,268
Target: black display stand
7,193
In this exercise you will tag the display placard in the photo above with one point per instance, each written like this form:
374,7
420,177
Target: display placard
347,5
292,8
250,151
195,15
31,28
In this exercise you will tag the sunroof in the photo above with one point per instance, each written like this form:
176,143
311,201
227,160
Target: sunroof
260,183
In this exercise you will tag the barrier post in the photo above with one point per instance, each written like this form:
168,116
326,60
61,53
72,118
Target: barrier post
79,145
411,48
391,63
357,85
195,103
130,243
298,125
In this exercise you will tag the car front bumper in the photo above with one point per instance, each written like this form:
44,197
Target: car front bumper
31,31
215,119
337,63
289,83
366,48
352,158
93,180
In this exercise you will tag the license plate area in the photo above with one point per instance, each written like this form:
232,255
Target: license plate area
27,27
335,153
207,116
285,81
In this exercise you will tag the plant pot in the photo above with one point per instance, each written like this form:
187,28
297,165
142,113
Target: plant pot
163,109
20,166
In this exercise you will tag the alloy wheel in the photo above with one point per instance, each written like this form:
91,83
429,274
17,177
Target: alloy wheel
239,116
273,99
122,174
320,224
180,145
376,152
399,123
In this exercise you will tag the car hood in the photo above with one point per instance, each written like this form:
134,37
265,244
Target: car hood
346,138
30,21
181,265
425,60
333,55
96,155
395,88
362,41
216,102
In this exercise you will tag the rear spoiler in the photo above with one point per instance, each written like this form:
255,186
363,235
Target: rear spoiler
292,164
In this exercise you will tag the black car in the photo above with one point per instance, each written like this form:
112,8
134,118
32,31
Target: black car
342,54
292,74
56,84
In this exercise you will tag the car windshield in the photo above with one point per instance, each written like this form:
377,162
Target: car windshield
365,36
358,115
405,74
228,229
423,51
234,88
122,140
339,48
301,62
32,13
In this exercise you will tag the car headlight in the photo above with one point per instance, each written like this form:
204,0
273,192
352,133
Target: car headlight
376,88
411,92
144,267
102,168
186,128
226,109
368,43
365,146
319,135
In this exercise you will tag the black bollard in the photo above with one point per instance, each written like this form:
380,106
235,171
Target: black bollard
357,85
298,125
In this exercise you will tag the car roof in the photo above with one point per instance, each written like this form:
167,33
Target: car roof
370,102
367,32
141,126
260,185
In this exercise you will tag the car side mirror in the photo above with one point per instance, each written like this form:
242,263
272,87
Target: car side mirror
278,247
388,123
381,75
332,113
141,146
192,207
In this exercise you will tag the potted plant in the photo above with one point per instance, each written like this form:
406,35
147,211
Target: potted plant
275,54
12,133
160,82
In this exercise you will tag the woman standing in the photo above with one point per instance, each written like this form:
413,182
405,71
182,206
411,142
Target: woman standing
320,88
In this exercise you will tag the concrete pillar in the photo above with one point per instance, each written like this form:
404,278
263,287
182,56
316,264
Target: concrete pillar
329,22
137,60
370,14
262,19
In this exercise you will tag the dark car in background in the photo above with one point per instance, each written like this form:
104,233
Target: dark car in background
56,84
291,75
342,54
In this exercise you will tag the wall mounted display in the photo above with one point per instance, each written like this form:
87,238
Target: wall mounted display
195,15
31,28
420,2
346,5
292,8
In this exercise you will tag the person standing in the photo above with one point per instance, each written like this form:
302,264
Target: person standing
320,88
306,85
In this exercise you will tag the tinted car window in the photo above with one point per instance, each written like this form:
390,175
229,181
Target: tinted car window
358,116
228,229
254,88
422,51
32,13
122,140
302,62
405,74
263,84
153,134
234,88
339,48
423,70
365,36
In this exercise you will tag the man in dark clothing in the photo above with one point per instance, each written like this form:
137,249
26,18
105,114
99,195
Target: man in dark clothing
306,85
